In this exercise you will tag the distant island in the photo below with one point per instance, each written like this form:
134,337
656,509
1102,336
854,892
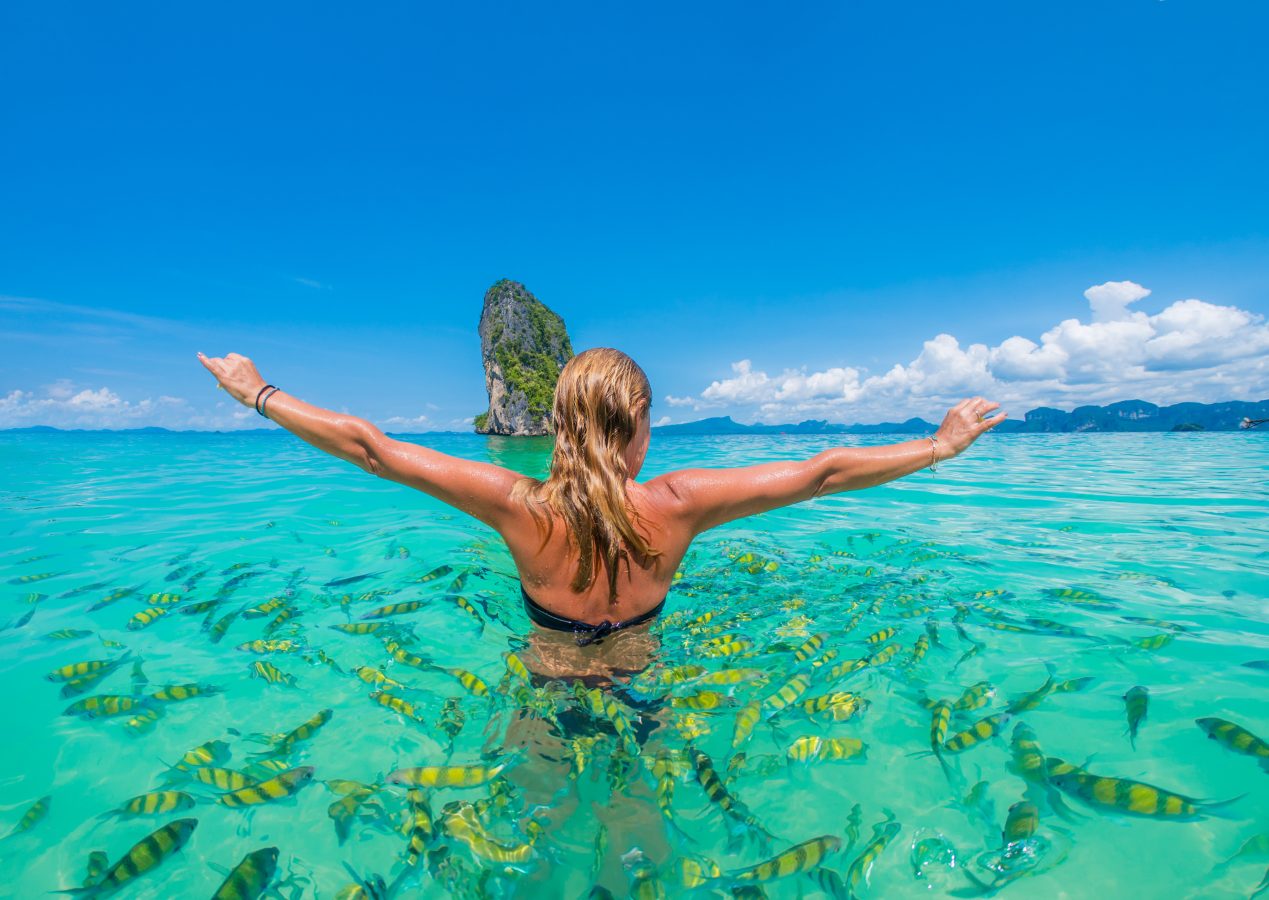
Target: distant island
1127,415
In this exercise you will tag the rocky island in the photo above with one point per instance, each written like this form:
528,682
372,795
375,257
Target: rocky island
523,346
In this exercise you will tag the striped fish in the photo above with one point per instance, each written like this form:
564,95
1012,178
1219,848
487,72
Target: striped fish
359,627
278,787
394,609
797,859
1235,738
152,804
977,733
445,776
145,854
813,747
1125,796
268,672
858,872
251,877
34,814
742,820
787,694
146,617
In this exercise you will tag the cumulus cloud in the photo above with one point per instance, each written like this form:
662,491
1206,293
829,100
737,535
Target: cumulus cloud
65,405
402,424
1190,350
1110,301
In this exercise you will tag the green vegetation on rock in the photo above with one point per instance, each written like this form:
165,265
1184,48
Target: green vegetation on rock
524,345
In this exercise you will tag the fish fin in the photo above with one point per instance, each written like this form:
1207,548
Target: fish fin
1220,809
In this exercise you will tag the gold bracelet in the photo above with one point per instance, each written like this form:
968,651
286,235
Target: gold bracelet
934,457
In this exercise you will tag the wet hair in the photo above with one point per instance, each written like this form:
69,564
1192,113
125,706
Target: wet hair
600,399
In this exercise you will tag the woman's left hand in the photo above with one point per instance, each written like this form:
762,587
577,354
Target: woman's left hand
236,374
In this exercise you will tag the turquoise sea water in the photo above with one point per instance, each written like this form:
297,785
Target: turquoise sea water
1148,527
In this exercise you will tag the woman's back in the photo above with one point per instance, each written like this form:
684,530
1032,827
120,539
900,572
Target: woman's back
547,570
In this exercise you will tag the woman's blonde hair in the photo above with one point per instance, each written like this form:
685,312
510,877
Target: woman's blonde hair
600,398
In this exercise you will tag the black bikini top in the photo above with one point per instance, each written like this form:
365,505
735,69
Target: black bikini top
584,631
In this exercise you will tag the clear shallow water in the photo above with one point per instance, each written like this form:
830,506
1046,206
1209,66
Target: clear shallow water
1169,527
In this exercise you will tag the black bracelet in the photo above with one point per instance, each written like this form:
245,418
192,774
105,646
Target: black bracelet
265,404
262,390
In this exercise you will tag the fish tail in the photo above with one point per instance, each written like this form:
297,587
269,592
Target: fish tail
1220,808
676,831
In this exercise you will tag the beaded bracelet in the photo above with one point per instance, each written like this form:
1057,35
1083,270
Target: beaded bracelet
262,390
934,457
264,404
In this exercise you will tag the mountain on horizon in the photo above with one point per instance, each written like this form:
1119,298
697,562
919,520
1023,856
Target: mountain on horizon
1126,415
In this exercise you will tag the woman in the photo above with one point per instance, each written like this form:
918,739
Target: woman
595,549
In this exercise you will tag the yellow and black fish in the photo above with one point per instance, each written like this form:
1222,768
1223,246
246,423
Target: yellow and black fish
251,877
104,706
87,668
1021,822
275,646
977,733
797,859
1136,703
814,747
394,609
144,855
398,705
975,697
286,743
1125,796
359,627
857,874
264,608
1236,738
285,784
146,617
445,776
746,719
34,814
743,821
152,804
268,672
463,825
175,693
787,693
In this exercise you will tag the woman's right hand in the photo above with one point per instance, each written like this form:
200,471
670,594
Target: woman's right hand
965,423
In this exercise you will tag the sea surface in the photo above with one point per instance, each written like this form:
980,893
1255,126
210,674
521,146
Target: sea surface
1031,584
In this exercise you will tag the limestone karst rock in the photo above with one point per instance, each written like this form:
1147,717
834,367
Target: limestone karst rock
523,346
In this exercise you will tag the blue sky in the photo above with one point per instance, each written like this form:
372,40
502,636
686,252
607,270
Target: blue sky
852,211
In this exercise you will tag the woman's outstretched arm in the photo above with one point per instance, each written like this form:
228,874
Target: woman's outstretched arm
479,489
710,497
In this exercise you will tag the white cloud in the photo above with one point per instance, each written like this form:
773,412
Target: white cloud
67,405
1190,350
1110,301
664,420
407,423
